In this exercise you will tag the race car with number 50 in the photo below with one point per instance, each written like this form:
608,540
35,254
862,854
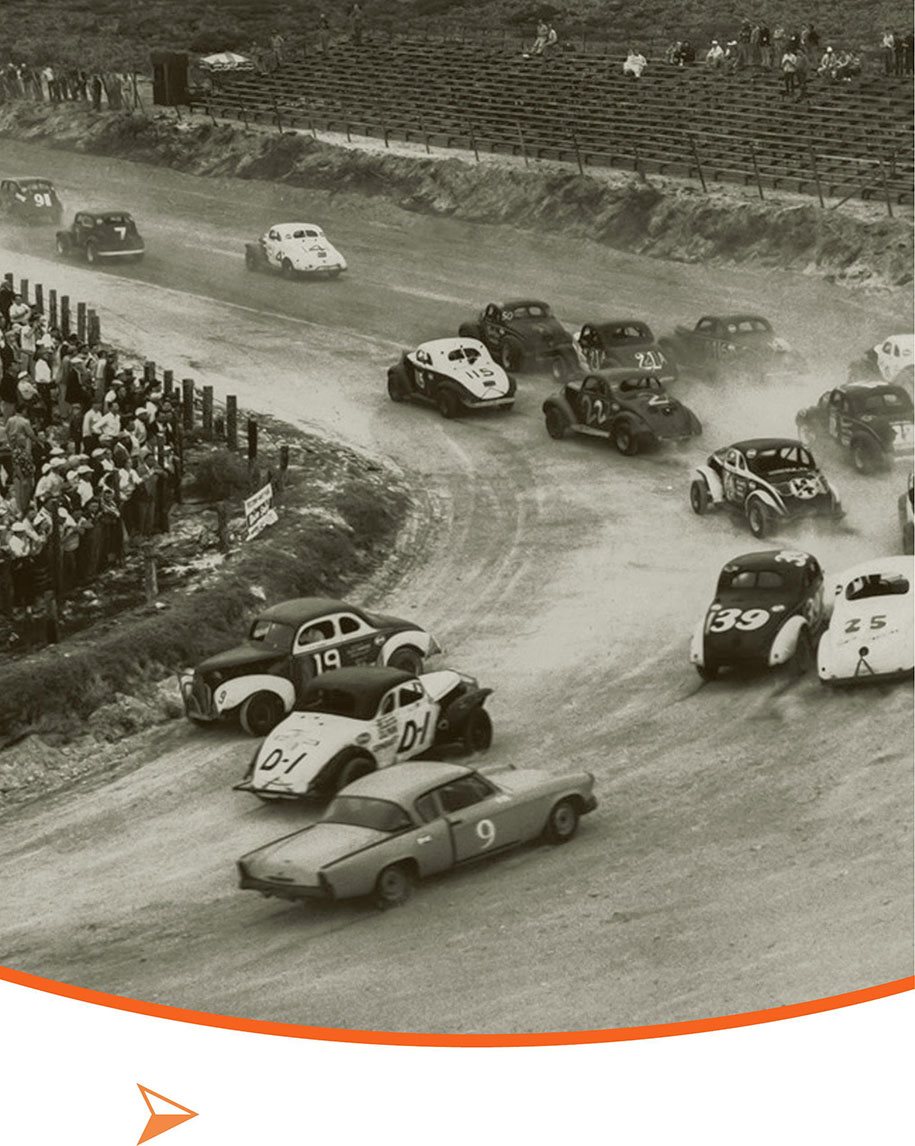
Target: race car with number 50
388,830
768,610
524,334
356,720
454,374
870,636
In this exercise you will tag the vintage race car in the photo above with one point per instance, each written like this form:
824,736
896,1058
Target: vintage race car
289,644
769,481
768,610
623,342
871,420
870,632
630,408
392,828
891,360
101,236
357,720
454,374
294,249
907,515
733,346
30,199
524,335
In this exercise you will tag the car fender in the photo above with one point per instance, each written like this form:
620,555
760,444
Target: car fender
824,657
414,638
766,498
695,426
458,710
713,481
697,644
560,402
234,692
784,645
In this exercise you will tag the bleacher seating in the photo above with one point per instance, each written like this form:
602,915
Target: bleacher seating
855,137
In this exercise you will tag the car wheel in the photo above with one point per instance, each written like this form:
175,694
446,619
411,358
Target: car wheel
865,457
699,497
251,260
397,388
625,440
758,519
707,672
286,269
908,539
803,660
556,423
510,355
407,660
353,768
477,734
448,404
261,713
393,886
91,254
559,368
563,822
63,248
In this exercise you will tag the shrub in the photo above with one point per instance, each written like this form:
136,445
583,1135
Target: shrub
221,476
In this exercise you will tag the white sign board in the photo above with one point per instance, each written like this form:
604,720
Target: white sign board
259,511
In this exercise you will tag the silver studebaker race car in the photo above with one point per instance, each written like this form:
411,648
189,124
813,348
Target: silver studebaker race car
294,249
389,829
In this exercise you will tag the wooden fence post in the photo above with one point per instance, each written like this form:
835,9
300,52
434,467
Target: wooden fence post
187,403
886,188
756,170
39,298
95,327
252,441
24,289
52,307
232,422
208,413
81,321
581,166
168,383
9,280
150,574
816,176
695,149
149,372
65,315
523,145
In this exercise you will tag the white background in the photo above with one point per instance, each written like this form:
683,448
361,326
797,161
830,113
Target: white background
70,1071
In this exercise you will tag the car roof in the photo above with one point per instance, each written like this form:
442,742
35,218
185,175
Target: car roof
871,386
762,444
894,564
302,609
513,303
606,323
285,226
103,211
405,782
765,559
29,179
740,318
367,681
443,345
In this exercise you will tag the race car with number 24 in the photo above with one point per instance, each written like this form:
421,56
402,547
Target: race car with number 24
455,375
768,610
388,830
357,720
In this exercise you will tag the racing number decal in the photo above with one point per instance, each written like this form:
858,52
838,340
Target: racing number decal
414,734
121,233
593,409
649,359
486,830
478,372
327,660
744,619
903,432
276,757
42,199
792,558
876,622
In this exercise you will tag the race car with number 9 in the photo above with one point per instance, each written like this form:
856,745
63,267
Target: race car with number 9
768,610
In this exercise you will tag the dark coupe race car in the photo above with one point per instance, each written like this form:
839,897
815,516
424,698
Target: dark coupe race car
628,407
768,610
768,481
871,420
524,335
100,236
623,342
389,829
737,346
30,199
454,374
289,644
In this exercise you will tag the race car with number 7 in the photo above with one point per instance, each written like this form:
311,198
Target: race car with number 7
768,610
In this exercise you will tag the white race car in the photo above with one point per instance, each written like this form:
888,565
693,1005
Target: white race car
295,249
454,374
892,360
355,720
870,631
907,515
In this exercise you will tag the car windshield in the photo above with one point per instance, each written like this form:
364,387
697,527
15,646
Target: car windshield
747,326
780,459
895,402
750,579
35,185
876,585
364,812
272,635
337,702
530,310
308,234
630,385
468,354
114,220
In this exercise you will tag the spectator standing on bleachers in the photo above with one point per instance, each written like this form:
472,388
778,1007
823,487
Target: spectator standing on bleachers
715,55
755,55
908,46
888,51
635,64
828,63
802,71
778,45
765,46
323,33
277,43
743,44
355,23
789,70
898,54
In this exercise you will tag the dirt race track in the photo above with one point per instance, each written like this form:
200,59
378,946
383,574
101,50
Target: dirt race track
753,843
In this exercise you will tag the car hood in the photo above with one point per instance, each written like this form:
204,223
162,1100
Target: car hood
247,656
518,781
299,858
293,754
439,684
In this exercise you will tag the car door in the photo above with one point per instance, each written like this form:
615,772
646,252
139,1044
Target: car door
358,642
273,247
734,477
593,405
314,650
814,608
433,843
492,327
416,719
482,818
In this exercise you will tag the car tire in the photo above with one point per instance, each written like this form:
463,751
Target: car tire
397,387
477,731
908,539
91,254
865,456
287,270
559,368
407,659
804,658
261,713
699,499
353,768
758,519
447,402
393,886
251,262
707,672
625,439
510,355
562,823
557,424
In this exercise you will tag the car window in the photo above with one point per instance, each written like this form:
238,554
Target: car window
313,234
387,705
896,351
314,632
752,579
410,694
705,324
272,635
365,812
886,402
464,792
887,347
876,585
427,808
274,235
591,385
349,625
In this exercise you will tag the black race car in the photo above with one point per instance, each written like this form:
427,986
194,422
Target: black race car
768,610
30,199
287,645
768,481
454,374
100,236
735,346
871,420
630,408
524,335
623,342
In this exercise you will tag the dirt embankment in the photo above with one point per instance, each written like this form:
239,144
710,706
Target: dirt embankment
658,217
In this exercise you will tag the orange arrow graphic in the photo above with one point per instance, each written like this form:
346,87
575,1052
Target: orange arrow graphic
162,1119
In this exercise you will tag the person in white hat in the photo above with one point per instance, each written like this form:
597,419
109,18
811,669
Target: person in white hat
715,55
51,482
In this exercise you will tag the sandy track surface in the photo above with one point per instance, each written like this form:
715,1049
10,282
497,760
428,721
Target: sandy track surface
753,845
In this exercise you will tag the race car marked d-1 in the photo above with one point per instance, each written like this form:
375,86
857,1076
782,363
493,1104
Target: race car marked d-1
454,374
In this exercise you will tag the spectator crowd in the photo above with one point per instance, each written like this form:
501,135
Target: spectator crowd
80,439
60,85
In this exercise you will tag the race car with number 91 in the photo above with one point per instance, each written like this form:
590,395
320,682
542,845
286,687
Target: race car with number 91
768,610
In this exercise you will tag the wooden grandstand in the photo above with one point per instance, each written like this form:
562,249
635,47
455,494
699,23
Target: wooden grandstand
845,139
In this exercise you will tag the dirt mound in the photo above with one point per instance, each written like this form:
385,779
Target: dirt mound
663,218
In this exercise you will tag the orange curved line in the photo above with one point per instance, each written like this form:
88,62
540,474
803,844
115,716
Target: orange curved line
422,1039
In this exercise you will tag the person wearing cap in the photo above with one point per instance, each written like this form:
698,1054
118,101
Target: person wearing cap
828,64
20,312
51,483
715,55
93,421
22,440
